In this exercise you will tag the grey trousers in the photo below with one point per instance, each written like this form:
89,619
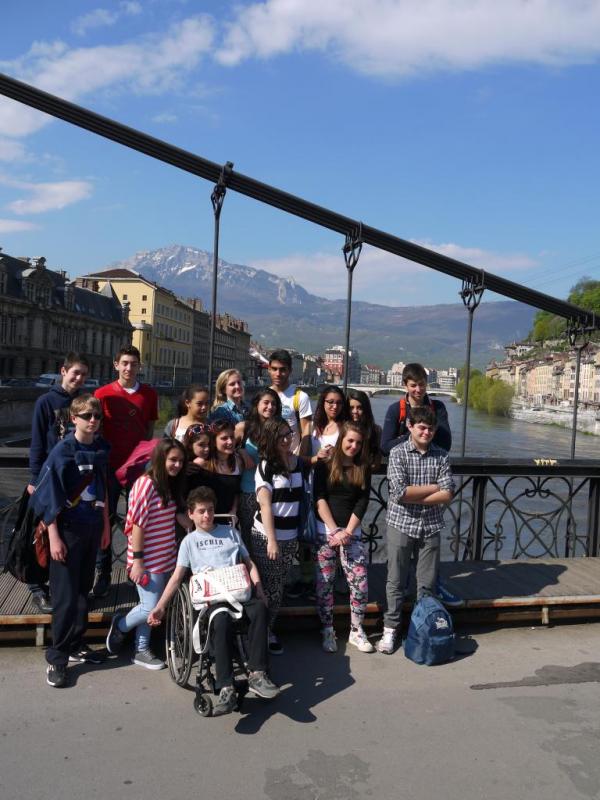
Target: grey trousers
400,550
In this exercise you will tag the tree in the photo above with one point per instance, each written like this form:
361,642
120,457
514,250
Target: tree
585,293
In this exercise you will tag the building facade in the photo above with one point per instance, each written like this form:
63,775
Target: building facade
43,316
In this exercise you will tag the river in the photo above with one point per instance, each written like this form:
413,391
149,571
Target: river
504,437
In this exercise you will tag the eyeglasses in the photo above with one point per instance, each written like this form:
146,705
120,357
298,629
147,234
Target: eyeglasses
88,415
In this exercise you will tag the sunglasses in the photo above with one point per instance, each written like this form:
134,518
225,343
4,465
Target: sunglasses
88,415
199,427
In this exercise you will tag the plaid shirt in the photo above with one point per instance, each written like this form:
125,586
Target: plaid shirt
407,466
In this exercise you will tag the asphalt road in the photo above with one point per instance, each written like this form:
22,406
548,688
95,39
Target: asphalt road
517,718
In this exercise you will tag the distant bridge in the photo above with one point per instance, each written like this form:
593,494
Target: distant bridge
382,389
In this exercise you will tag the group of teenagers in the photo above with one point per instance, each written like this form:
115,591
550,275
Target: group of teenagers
250,462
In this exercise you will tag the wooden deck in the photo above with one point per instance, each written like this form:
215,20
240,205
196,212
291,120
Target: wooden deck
498,592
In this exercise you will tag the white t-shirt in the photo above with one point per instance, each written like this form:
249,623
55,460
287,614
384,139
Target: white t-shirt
323,440
288,412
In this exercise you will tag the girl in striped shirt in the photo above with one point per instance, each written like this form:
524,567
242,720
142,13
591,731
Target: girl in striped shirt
152,549
279,487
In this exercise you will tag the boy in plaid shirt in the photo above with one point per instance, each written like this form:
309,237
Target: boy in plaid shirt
420,485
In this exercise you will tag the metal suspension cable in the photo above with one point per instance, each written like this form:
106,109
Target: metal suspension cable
196,165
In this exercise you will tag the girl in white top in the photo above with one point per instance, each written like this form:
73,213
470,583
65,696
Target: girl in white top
329,416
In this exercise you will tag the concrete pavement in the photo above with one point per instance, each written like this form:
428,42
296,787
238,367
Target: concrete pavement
346,726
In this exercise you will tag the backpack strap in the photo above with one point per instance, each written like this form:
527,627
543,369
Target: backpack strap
296,404
402,409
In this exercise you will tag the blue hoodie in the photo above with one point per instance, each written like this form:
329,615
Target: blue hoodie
51,422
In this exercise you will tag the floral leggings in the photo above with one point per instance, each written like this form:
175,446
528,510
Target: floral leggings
354,564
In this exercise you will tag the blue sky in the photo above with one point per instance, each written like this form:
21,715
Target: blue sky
469,126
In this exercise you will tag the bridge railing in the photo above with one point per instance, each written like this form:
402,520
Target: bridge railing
524,508
502,509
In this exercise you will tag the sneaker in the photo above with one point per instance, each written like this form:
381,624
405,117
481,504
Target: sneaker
262,685
446,597
359,639
42,602
116,637
329,640
275,646
56,675
85,655
226,701
102,586
146,658
387,643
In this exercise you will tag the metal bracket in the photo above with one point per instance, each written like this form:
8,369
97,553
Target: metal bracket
472,290
352,247
218,193
575,330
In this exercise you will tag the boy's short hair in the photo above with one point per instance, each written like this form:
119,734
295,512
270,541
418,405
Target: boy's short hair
281,355
202,494
85,402
128,350
414,372
422,414
73,358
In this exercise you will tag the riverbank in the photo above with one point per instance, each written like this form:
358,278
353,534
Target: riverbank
587,421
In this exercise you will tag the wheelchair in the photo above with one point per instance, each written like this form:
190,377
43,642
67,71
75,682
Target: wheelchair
183,647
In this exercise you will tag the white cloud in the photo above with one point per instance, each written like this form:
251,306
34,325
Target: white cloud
16,226
155,63
381,277
104,17
46,196
11,150
398,38
165,117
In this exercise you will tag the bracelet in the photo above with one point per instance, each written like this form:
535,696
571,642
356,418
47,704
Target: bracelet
138,554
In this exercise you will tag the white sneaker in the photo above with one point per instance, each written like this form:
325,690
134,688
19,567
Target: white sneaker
359,639
329,640
387,643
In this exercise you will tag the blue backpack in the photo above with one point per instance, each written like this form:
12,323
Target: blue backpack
430,638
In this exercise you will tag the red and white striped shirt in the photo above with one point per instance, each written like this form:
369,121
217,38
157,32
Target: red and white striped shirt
145,509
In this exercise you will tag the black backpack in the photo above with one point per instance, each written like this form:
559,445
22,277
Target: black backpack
20,558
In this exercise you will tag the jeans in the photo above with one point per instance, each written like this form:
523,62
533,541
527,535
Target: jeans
149,596
400,549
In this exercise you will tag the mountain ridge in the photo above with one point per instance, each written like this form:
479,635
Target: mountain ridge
281,312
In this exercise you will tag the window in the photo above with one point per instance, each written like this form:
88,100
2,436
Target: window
144,311
144,297
125,297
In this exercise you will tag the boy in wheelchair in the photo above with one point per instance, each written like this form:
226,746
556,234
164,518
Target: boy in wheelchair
212,546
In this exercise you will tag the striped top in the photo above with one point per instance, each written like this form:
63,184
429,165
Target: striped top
285,499
145,509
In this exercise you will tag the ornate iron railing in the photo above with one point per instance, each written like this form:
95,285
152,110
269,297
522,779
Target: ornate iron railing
503,509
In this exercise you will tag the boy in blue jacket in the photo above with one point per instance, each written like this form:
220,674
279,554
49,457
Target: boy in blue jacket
70,496
51,422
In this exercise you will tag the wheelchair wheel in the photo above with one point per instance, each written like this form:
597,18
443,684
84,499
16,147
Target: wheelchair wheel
203,704
180,647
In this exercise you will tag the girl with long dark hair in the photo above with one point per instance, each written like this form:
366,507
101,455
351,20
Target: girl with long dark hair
152,507
329,415
360,412
265,405
341,492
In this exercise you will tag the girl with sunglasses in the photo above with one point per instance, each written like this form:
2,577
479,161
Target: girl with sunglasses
329,415
223,470
192,409
265,405
152,508
279,485
341,492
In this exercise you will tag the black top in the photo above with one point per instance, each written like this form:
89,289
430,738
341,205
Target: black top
226,487
343,499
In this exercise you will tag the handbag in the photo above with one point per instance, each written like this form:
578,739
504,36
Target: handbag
41,545
307,521
224,585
